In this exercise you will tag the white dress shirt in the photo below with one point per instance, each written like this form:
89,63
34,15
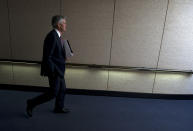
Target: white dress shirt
58,32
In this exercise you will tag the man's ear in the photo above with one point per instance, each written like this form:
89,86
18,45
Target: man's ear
58,25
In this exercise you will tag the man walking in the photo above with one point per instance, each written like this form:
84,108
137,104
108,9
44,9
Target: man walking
53,66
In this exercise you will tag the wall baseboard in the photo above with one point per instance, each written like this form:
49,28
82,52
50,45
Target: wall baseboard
99,92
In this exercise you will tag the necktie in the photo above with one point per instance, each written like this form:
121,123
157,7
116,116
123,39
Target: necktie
63,48
62,42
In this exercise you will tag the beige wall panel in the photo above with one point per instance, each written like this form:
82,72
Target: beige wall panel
177,48
6,75
29,74
30,22
92,79
173,83
89,29
137,32
4,32
131,81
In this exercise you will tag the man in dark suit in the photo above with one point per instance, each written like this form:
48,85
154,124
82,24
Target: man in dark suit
53,66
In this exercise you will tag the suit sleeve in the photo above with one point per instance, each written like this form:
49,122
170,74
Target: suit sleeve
50,43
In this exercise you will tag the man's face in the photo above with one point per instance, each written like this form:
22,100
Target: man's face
62,25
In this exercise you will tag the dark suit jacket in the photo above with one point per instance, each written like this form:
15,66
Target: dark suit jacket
54,56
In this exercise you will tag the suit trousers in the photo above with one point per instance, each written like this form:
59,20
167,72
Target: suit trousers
56,90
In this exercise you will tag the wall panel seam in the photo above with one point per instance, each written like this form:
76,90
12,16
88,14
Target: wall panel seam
114,2
10,38
168,1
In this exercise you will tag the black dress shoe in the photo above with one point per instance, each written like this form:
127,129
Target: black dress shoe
29,108
64,110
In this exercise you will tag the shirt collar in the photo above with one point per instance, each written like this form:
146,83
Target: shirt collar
58,32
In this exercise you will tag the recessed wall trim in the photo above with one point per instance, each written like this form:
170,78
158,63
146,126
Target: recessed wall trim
78,65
